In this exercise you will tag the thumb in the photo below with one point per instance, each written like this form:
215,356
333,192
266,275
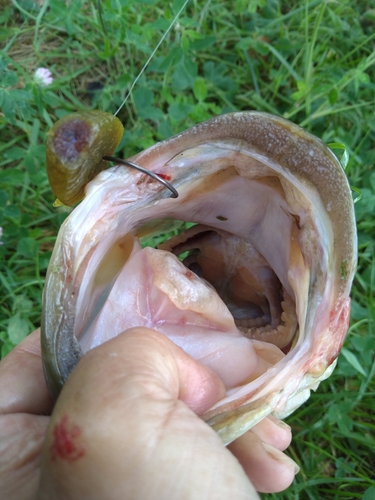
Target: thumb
145,362
122,425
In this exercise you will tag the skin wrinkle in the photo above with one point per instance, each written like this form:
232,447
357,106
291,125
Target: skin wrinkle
15,421
22,458
33,349
138,383
182,473
31,452
20,372
216,478
12,426
171,417
150,374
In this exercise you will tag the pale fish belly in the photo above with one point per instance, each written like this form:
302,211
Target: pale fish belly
262,293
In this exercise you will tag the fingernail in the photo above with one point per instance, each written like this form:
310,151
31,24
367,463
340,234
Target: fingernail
280,457
280,423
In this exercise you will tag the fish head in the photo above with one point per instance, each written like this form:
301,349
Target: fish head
256,286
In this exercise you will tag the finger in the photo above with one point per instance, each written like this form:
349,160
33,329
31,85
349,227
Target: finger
22,382
268,469
274,432
119,414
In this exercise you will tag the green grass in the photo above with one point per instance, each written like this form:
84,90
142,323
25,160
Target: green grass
311,62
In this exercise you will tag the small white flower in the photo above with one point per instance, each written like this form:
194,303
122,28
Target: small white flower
43,77
1,233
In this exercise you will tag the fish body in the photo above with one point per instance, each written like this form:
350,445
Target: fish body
262,294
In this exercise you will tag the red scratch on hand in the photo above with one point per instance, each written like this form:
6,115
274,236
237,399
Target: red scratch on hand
65,444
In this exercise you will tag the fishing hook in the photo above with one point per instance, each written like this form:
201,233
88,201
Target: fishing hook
145,171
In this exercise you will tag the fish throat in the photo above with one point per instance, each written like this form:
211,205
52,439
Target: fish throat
244,280
235,266
242,246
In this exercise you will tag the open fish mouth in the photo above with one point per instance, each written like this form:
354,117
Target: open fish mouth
260,293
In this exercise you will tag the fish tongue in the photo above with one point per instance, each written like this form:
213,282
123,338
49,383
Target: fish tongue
157,291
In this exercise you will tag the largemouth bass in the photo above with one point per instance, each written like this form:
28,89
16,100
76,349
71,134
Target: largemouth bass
262,293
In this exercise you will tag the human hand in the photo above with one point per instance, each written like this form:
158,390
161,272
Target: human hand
125,427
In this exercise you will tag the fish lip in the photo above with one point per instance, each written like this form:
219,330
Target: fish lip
210,132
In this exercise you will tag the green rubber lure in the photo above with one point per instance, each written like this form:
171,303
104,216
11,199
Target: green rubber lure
76,145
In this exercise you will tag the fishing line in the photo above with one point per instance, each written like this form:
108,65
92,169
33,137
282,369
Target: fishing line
128,163
151,56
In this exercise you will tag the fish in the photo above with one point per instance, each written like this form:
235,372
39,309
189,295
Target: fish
254,282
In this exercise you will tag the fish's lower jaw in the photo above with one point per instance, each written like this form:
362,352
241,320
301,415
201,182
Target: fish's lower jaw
310,382
234,421
292,404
